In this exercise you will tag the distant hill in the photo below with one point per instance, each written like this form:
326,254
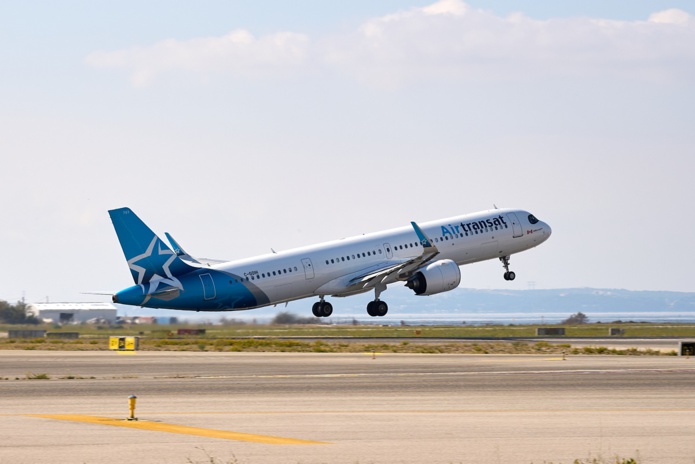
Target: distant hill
573,300
552,305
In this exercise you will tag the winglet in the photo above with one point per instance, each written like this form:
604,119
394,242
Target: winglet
426,243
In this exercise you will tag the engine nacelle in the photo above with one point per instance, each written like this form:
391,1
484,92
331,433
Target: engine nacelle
440,276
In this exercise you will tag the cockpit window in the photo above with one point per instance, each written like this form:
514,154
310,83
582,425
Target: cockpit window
532,219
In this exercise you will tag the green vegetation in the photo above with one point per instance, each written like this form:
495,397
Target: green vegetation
324,338
578,318
89,333
15,314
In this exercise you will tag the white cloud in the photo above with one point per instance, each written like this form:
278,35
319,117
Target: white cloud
446,41
450,41
672,16
454,7
238,53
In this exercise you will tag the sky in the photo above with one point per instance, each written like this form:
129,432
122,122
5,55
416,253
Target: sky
241,126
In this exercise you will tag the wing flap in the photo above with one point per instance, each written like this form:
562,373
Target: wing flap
405,269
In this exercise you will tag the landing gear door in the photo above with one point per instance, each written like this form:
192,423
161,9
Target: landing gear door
516,225
308,268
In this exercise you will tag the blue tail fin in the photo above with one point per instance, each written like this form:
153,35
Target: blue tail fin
148,257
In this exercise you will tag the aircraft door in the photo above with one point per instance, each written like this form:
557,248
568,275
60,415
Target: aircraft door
516,225
209,292
389,251
308,268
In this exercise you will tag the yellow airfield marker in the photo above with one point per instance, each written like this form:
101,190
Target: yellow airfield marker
132,399
180,429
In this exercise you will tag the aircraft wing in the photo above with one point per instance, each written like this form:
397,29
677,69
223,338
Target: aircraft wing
388,271
402,270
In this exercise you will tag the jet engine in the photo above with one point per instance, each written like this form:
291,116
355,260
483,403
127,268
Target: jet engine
440,276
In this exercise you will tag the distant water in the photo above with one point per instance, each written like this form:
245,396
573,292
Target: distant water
517,318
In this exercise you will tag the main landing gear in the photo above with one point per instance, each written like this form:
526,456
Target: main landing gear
508,275
378,308
322,308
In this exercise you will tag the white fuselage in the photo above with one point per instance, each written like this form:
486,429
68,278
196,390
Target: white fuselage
324,269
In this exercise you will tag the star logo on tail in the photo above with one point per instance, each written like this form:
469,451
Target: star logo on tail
152,267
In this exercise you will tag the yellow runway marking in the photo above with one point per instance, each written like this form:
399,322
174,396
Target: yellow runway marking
181,429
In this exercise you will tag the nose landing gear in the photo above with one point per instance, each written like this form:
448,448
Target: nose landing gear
508,275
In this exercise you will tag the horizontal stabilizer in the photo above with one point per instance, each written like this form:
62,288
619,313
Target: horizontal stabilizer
179,250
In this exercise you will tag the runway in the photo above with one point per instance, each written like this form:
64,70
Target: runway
344,408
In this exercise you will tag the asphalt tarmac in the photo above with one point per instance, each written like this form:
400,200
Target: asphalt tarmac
248,408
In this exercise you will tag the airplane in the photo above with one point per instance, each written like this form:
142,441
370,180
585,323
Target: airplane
426,258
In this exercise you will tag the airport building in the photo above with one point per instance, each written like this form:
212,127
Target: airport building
73,313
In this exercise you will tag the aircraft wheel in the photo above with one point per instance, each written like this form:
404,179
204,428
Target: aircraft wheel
371,309
316,309
381,308
326,309
510,275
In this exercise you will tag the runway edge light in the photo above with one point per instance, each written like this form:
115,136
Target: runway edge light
131,405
